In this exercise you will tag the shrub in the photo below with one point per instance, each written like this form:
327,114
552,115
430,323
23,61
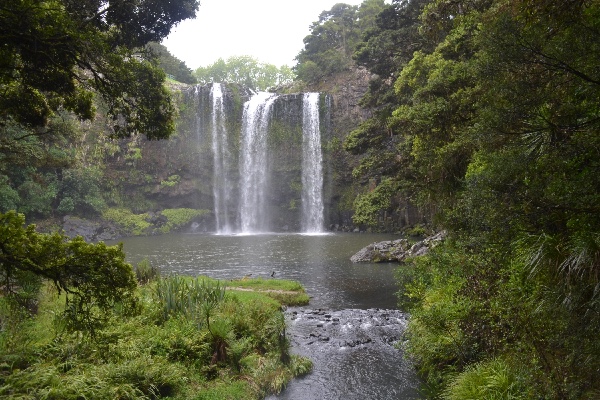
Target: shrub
145,272
189,297
94,277
491,380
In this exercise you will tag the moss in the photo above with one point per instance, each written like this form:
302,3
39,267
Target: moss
171,181
131,224
177,218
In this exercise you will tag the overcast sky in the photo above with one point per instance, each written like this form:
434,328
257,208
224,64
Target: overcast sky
269,30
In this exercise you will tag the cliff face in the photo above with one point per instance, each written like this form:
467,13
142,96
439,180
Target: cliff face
346,90
179,172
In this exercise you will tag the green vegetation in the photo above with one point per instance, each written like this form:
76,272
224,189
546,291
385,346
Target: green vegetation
76,114
245,71
172,66
486,114
93,278
236,351
139,224
329,47
145,272
178,218
132,224
284,291
40,174
75,51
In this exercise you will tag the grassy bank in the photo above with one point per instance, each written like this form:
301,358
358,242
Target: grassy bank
189,339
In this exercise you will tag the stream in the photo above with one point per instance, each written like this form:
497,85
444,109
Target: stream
350,326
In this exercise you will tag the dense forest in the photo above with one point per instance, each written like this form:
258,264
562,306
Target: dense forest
487,112
483,113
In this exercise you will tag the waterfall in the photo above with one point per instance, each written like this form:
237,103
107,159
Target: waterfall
312,166
222,184
254,166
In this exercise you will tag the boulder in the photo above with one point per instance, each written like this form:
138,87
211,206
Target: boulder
91,231
396,250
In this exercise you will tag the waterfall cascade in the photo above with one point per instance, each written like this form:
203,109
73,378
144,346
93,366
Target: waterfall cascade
312,166
267,163
222,184
254,163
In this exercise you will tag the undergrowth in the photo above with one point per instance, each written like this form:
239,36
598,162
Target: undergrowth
191,339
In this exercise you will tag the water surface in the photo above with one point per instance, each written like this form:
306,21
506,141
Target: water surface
354,357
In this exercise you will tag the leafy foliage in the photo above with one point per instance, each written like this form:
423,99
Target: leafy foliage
488,114
146,272
72,50
94,277
170,64
368,205
329,47
246,71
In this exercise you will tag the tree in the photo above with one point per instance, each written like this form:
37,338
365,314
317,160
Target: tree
498,127
94,277
246,71
57,54
329,44
171,64
493,118
384,50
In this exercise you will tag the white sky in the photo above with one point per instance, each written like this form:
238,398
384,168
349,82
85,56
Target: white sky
269,30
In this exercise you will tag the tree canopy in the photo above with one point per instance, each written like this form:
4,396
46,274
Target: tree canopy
245,70
329,46
172,65
58,54
93,276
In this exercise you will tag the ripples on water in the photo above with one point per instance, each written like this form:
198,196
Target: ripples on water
371,370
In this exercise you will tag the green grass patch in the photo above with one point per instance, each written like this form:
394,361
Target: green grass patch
267,284
285,292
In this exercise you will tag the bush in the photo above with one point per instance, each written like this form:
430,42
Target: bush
94,277
490,380
145,272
